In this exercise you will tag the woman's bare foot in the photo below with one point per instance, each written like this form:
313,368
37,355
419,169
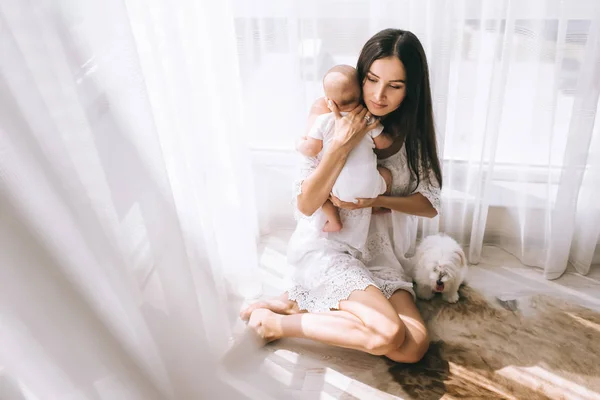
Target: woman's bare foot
266,324
333,225
279,305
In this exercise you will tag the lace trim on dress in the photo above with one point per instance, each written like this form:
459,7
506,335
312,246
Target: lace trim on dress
377,243
387,281
430,188
327,295
313,303
432,194
390,286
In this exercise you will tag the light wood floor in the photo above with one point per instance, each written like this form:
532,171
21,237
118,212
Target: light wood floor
312,371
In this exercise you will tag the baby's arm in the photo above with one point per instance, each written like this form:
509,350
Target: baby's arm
381,140
309,146
312,144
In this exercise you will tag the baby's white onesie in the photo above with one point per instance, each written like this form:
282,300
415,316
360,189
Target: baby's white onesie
359,178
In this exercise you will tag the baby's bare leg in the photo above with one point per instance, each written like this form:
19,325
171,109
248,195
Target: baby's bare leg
334,223
387,177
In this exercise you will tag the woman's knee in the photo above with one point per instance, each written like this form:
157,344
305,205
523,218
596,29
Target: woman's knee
385,336
412,352
418,351
383,328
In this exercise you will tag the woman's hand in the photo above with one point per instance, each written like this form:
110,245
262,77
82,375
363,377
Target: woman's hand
360,203
351,128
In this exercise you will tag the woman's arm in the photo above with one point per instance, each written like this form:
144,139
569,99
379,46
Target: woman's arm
414,204
316,188
349,130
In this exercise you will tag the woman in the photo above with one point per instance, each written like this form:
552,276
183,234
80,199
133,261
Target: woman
361,298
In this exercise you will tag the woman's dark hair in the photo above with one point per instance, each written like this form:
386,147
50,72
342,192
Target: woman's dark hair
414,117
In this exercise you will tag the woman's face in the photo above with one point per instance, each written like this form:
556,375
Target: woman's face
384,87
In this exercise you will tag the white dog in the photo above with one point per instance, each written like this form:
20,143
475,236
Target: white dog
439,266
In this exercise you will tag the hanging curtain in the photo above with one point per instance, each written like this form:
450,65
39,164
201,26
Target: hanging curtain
515,93
127,214
522,103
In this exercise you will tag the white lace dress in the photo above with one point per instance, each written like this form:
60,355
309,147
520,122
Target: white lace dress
326,271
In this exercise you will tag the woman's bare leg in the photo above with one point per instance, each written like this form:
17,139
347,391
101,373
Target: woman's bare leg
416,343
366,322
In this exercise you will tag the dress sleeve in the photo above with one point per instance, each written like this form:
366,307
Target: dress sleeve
306,166
430,188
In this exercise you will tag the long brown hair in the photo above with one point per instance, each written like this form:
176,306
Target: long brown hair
414,117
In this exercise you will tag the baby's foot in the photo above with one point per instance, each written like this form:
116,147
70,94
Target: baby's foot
332,226
266,324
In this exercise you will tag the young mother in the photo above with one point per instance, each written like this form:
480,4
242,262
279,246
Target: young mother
360,298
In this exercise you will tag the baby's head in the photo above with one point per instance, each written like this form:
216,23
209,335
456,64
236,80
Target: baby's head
341,85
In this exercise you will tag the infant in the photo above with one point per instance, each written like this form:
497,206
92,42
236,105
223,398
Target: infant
360,176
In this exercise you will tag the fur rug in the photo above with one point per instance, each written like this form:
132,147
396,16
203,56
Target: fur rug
530,348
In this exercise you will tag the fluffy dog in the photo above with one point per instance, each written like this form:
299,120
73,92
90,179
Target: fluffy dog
439,266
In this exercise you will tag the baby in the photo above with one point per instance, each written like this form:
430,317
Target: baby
360,177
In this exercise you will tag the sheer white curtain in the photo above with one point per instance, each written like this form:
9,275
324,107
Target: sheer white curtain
521,104
515,91
126,209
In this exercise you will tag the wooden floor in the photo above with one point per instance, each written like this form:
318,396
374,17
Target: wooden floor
309,370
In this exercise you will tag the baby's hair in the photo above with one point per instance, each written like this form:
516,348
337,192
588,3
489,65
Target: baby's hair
343,69
348,100
348,75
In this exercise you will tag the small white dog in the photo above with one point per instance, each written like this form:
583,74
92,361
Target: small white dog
439,266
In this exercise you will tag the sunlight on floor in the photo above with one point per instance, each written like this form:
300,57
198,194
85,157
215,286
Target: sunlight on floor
321,372
541,380
478,380
585,322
